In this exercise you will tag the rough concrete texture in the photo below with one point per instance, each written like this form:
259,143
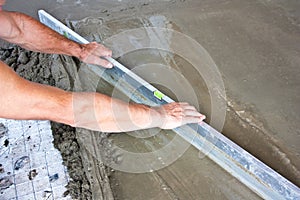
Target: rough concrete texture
48,69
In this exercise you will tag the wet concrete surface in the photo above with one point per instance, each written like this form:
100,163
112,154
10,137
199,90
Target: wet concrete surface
256,48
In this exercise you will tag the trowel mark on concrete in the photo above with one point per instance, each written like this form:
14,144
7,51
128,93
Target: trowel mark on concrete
260,143
165,186
265,142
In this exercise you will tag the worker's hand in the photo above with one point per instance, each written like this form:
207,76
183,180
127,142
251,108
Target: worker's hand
178,114
91,53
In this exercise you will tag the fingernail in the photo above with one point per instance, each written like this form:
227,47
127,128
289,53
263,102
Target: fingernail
109,65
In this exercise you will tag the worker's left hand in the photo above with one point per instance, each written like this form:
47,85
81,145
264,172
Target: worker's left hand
91,53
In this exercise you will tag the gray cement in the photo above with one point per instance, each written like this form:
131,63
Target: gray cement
256,47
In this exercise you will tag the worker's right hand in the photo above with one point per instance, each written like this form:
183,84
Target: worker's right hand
177,114
91,53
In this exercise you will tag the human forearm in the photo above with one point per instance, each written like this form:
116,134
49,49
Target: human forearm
27,32
30,34
22,99
100,112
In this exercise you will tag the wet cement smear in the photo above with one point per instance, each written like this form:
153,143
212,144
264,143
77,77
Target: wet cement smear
160,182
240,122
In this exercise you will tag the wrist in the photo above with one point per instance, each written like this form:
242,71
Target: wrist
144,116
156,117
78,51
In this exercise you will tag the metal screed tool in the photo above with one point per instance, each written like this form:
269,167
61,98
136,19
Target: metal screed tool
239,163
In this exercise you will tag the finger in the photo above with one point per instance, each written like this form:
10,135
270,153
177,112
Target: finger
195,114
193,119
98,61
102,51
105,53
105,63
202,117
183,103
189,107
192,113
178,109
99,49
